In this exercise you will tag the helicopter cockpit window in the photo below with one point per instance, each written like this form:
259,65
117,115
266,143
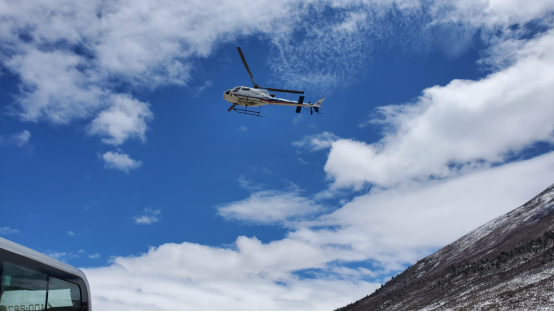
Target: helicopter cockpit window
236,89
246,89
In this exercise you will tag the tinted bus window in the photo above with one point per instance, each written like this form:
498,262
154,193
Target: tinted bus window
22,289
63,295
32,281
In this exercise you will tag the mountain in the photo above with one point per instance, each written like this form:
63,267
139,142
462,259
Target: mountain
506,264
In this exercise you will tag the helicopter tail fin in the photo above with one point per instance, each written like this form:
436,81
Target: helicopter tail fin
318,103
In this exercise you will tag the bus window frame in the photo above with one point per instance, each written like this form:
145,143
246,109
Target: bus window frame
45,269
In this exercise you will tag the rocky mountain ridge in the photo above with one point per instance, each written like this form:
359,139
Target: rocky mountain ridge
506,264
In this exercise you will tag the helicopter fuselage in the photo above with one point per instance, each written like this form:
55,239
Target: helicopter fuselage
252,97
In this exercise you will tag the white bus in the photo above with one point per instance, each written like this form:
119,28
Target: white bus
33,281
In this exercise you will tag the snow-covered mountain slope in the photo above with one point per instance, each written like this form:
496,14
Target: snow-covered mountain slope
506,264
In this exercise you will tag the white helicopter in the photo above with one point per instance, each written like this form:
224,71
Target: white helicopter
257,96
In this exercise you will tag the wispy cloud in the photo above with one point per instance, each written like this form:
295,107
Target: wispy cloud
121,162
249,185
62,256
199,90
94,256
70,233
303,161
150,216
18,139
270,206
336,42
8,230
90,205
317,142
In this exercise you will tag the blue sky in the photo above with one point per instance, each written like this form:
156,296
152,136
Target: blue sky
118,155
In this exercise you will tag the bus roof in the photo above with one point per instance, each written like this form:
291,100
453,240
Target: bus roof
42,258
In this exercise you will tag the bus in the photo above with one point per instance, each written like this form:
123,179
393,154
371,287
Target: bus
33,281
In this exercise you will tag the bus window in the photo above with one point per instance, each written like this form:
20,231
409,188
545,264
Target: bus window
63,295
22,289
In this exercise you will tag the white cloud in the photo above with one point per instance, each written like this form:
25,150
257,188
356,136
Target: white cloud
90,204
317,142
94,256
270,206
73,59
62,256
18,139
248,185
22,138
70,233
489,13
387,228
296,119
150,216
7,230
119,161
352,23
336,46
462,126
254,276
146,219
200,89
125,118
398,225
56,255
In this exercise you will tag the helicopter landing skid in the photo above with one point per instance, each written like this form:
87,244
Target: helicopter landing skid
248,112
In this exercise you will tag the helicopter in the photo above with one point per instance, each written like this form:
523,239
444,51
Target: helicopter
258,96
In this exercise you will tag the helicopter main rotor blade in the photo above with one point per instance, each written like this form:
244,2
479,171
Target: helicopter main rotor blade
257,86
282,90
246,65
